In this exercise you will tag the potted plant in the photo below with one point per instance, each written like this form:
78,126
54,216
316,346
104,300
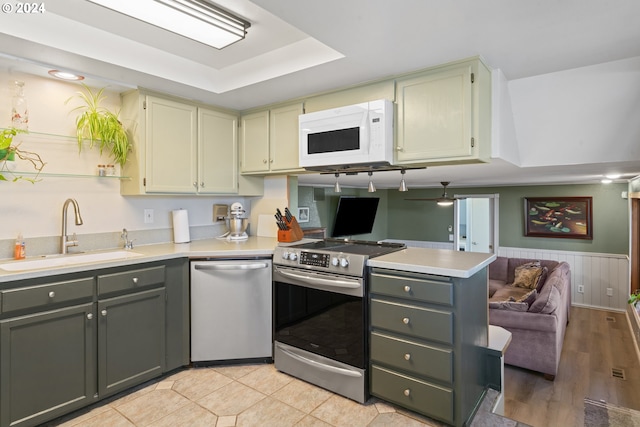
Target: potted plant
9,152
634,299
100,126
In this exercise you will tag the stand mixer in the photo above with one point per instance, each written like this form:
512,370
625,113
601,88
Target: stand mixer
237,223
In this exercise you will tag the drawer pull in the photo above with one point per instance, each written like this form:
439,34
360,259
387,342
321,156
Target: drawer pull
103,312
407,288
135,280
405,320
407,392
52,294
407,356
89,316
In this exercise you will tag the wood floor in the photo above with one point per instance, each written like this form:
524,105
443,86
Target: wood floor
595,342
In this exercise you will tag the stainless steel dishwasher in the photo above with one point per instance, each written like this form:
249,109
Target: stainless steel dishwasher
231,310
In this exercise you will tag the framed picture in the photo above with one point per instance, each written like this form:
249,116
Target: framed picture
303,214
565,217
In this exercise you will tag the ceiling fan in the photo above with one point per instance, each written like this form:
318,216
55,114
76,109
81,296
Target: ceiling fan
443,200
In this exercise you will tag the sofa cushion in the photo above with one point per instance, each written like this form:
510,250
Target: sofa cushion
549,297
542,279
527,275
509,293
498,269
509,305
494,285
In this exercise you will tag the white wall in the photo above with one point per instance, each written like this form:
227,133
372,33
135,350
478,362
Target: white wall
36,209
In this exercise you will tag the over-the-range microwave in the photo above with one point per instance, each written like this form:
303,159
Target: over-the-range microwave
351,135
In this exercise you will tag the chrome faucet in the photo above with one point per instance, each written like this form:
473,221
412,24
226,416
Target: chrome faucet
65,242
128,244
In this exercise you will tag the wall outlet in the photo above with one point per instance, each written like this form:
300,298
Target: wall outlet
609,292
451,237
148,216
581,289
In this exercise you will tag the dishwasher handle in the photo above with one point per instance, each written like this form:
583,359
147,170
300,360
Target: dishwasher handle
216,266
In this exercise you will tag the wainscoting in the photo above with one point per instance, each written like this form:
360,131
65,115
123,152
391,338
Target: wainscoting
594,271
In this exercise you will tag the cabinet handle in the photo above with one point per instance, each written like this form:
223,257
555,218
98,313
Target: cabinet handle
195,184
407,356
89,316
135,280
398,148
270,160
103,312
264,161
405,320
52,294
407,288
407,392
202,184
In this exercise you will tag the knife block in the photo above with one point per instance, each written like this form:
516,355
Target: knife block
293,234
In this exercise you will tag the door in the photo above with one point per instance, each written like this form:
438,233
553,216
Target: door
47,365
476,223
171,146
217,152
131,340
255,142
284,139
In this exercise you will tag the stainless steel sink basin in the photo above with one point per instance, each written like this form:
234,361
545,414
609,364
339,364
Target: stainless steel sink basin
66,260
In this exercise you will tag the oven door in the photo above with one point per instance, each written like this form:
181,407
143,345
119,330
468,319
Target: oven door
321,313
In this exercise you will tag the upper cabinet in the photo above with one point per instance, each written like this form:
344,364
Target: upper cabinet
180,148
269,140
444,115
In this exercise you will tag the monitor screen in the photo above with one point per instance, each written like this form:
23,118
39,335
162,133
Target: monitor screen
355,215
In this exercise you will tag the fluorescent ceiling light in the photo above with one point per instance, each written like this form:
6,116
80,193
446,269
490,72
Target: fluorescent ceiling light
613,175
198,20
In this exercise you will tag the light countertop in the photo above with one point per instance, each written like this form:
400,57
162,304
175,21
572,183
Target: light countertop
441,262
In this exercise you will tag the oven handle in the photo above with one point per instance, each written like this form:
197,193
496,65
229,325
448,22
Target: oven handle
254,266
329,368
336,283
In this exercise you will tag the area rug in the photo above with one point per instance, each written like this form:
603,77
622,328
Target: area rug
602,414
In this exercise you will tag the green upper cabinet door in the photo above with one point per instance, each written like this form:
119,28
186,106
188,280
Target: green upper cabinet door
171,131
217,152
270,140
444,115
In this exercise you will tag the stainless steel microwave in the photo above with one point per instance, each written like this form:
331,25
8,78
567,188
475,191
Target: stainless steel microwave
359,134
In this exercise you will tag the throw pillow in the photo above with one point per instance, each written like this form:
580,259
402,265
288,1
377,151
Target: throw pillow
549,297
542,279
527,275
509,305
528,298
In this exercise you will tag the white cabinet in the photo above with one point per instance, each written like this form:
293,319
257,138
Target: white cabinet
269,142
444,115
179,148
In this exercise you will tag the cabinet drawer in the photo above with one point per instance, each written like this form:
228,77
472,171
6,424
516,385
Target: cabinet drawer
48,294
413,357
130,280
414,321
425,289
411,393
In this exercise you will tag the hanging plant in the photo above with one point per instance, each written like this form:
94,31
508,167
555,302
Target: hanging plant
100,126
9,152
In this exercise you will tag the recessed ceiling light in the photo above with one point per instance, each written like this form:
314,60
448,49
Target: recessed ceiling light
65,75
606,181
613,175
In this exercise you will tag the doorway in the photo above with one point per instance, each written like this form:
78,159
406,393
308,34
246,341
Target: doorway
476,222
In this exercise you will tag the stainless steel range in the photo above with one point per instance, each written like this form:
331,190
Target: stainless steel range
321,313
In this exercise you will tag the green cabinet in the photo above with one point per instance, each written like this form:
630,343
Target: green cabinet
70,340
47,364
427,342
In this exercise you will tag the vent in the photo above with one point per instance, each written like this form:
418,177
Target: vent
610,319
618,373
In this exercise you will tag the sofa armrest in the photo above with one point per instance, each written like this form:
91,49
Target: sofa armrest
523,320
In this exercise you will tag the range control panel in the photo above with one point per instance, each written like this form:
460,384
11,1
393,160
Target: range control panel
315,259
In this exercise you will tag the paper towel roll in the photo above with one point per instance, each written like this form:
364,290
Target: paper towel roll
180,226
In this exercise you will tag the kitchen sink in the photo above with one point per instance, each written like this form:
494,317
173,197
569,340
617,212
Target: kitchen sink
66,260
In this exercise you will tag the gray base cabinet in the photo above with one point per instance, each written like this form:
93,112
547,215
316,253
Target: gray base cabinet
70,340
427,342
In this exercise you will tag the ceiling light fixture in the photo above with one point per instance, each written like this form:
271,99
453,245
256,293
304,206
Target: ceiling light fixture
198,20
372,187
336,188
445,200
403,185
606,181
612,175
64,75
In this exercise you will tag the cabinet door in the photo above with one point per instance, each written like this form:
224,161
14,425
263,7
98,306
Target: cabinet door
48,364
284,138
171,156
435,116
217,152
255,142
131,340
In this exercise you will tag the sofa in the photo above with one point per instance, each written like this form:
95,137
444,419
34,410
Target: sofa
532,300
